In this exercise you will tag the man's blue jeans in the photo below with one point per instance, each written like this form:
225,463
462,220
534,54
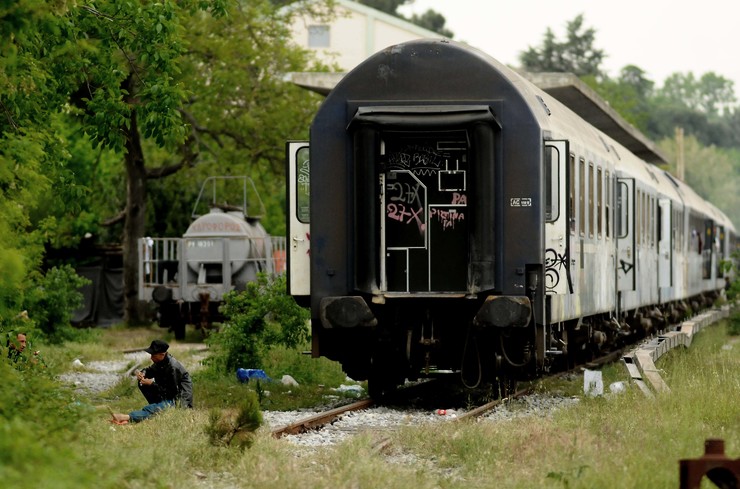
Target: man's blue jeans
149,410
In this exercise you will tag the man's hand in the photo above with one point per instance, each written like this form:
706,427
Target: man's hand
143,380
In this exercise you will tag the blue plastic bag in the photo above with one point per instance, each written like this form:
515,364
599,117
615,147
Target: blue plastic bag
246,374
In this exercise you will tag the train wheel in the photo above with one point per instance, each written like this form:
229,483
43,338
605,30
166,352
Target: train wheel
385,376
380,388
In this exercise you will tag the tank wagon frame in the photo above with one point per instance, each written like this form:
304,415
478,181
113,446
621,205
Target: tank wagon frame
222,250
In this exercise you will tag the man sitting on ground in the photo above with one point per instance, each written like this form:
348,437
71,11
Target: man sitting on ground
165,383
16,347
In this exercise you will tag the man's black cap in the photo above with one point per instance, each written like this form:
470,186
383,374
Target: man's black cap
157,346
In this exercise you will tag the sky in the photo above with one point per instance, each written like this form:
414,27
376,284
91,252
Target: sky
661,37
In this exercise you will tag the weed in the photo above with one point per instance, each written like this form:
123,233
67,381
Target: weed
237,428
566,477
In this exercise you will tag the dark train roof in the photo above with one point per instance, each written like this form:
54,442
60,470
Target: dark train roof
565,87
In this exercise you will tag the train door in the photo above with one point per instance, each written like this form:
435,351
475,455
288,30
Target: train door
665,245
424,209
557,253
626,251
299,230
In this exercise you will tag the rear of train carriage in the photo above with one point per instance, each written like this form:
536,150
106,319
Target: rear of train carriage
431,228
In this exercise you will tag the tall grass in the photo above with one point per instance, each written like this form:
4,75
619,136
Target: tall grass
625,440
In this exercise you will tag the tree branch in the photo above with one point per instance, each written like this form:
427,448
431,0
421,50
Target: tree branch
189,158
115,219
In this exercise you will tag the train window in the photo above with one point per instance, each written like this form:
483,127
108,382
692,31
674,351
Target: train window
645,204
599,200
674,229
645,210
608,205
649,220
582,197
622,210
572,194
653,211
303,186
552,177
591,200
638,224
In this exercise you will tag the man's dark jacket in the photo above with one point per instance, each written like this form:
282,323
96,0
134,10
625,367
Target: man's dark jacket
172,381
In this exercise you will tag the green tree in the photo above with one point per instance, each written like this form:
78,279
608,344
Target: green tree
160,86
714,173
630,94
704,107
431,19
34,166
387,6
711,94
577,54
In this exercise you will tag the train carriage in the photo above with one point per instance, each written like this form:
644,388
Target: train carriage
454,217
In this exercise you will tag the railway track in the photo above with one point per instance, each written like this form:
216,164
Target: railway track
401,416
320,420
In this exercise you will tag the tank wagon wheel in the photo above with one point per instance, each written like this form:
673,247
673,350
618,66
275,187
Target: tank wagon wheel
179,328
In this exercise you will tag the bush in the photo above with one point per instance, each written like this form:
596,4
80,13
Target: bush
39,421
259,318
733,324
11,263
52,300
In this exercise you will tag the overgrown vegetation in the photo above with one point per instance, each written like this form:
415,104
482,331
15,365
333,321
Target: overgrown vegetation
627,437
39,430
52,301
259,318
236,427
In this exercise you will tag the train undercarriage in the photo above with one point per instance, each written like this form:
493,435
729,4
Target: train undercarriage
417,339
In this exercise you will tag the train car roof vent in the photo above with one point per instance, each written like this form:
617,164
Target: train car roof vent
418,116
615,152
671,178
544,105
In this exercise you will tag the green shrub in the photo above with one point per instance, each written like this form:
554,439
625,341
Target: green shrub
51,301
303,368
733,324
39,422
259,318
